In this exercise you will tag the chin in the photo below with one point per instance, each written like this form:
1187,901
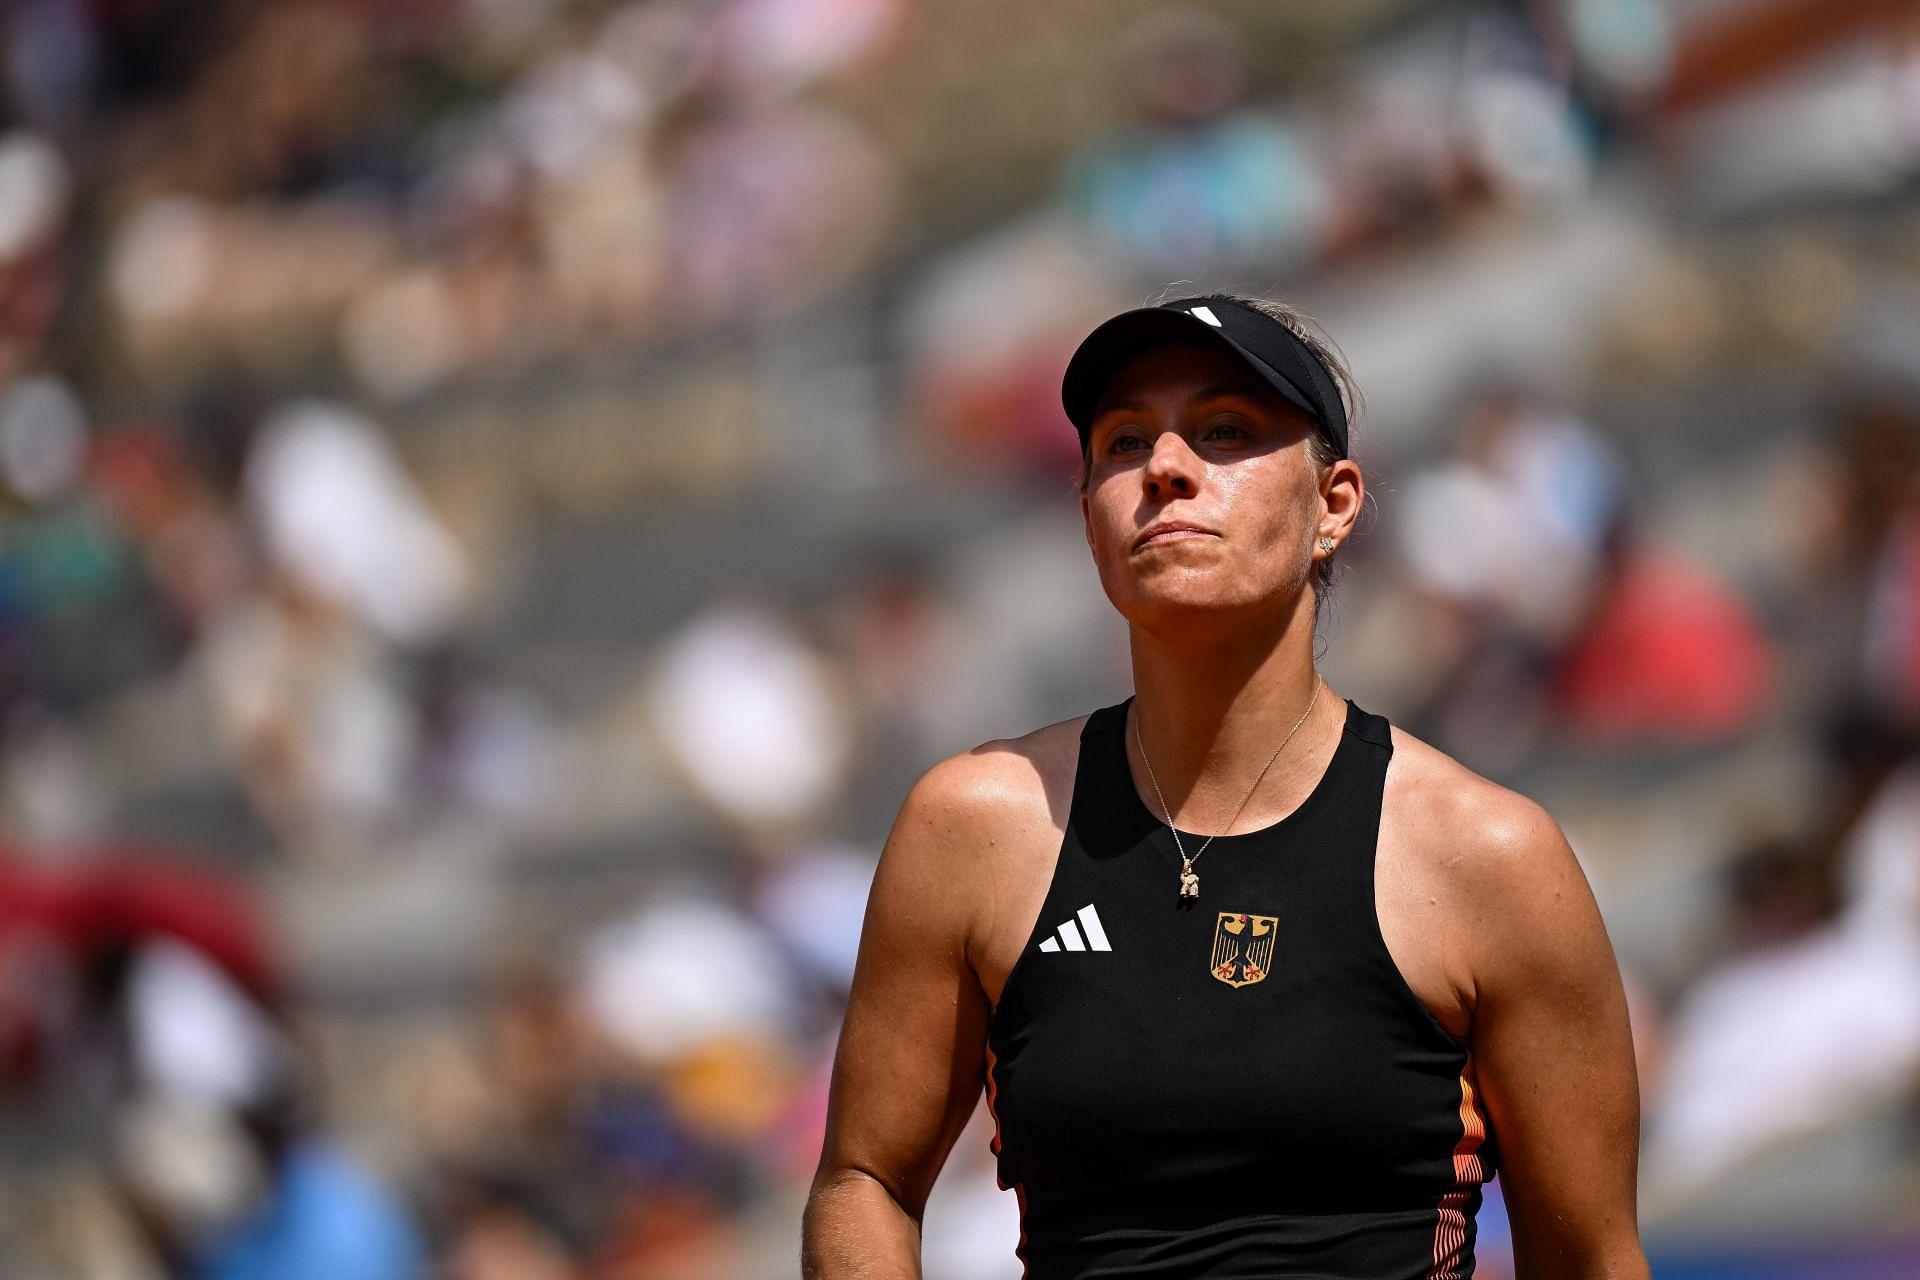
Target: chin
1196,593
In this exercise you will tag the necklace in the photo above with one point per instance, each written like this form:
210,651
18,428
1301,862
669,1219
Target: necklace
1189,882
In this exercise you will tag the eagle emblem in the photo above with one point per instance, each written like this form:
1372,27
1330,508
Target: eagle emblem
1242,948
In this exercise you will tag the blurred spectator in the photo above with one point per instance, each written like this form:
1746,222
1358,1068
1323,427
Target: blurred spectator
1890,661
685,973
483,748
310,714
343,521
322,1217
499,1229
124,938
985,343
34,194
1198,182
1857,555
754,716
1518,521
773,204
1816,1014
660,253
72,589
1668,654
810,899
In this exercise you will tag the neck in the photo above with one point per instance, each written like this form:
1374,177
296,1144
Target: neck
1210,707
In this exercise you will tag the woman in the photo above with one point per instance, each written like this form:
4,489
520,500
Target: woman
1257,985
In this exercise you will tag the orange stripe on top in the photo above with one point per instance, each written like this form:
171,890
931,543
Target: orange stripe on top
1450,1231
1019,1191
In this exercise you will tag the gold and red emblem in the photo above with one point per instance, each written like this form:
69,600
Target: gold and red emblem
1242,948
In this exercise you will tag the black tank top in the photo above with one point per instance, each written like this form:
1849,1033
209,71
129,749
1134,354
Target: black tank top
1238,1086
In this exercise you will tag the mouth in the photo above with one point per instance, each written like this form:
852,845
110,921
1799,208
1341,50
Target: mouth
1172,532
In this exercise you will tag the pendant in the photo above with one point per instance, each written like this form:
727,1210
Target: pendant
1189,883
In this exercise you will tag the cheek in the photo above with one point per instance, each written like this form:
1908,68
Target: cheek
1107,524
1280,512
1279,520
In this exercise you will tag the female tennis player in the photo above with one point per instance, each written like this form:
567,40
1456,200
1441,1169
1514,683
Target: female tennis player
1257,985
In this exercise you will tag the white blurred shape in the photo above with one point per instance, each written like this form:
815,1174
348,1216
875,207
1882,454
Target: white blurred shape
342,515
1456,529
33,191
1476,538
972,1229
745,707
501,760
815,902
1781,1043
43,438
1880,866
781,45
197,1036
1843,123
573,108
1569,477
1523,131
354,732
683,972
162,259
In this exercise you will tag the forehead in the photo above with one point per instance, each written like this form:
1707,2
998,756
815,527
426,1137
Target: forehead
1179,369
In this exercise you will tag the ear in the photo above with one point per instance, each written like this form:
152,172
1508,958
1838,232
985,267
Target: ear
1342,490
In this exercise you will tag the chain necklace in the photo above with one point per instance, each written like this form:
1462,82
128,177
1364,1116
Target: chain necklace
1189,882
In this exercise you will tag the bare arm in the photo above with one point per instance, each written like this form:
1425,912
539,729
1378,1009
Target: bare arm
1553,1052
908,1070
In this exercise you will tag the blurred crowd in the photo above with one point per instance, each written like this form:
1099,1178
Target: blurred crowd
499,500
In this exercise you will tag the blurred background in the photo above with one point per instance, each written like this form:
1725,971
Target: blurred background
499,499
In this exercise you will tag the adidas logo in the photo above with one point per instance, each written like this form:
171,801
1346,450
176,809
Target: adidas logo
1069,936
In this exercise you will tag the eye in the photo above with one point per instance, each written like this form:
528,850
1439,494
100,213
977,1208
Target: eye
1113,445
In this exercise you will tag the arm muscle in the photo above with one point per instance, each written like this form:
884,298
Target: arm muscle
908,1070
1553,1050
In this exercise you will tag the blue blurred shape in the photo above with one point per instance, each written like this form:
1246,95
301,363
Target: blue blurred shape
326,1220
1886,1260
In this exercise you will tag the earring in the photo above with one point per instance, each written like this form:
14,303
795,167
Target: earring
1326,543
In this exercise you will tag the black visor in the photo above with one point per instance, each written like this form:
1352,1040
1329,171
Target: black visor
1273,350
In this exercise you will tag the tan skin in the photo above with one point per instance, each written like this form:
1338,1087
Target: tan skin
1480,900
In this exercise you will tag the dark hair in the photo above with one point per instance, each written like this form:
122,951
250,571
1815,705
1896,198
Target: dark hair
1321,451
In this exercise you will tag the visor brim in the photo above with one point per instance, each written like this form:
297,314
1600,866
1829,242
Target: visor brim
1105,351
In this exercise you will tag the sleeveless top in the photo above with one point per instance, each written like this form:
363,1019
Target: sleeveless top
1238,1086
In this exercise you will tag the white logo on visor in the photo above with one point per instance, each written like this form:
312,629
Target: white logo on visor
1205,313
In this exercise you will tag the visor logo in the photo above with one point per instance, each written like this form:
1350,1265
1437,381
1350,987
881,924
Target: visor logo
1205,313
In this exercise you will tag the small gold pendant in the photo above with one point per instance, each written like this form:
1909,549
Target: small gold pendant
1189,883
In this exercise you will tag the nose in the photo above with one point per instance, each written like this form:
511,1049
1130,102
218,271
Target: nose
1171,468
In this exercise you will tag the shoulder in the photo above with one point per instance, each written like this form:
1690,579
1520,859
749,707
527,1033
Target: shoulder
1482,827
1494,857
1000,784
1514,897
971,825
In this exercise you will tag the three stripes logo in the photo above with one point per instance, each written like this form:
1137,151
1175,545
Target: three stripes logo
1086,935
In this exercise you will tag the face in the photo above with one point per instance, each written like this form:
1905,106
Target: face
1188,432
